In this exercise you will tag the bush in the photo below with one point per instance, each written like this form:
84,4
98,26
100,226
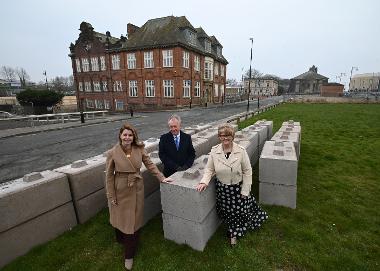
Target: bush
39,97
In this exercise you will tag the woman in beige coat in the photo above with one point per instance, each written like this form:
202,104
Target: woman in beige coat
234,204
125,188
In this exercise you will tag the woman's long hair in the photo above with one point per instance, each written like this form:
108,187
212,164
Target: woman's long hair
135,142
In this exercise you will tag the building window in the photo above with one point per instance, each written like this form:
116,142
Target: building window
94,64
89,103
77,64
216,69
99,104
216,92
197,89
208,46
149,88
119,105
222,90
208,70
96,86
85,65
105,88
133,88
115,62
192,38
219,51
168,88
131,60
80,86
117,86
186,88
222,70
197,63
102,63
167,58
148,60
87,86
185,58
107,104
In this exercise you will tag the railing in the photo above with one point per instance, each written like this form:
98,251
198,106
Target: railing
60,117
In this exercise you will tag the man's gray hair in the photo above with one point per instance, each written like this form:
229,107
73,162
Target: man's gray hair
175,116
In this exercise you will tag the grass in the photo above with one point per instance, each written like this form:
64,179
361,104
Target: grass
336,225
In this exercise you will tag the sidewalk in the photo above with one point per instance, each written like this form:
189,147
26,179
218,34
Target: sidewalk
58,126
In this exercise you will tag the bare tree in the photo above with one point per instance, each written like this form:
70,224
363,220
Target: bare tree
23,75
254,74
8,73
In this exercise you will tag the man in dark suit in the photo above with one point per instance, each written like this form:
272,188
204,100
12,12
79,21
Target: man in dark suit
176,149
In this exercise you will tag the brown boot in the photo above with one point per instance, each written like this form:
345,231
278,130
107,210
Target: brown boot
128,264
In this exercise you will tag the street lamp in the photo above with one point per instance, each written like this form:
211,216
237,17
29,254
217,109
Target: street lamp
250,73
349,84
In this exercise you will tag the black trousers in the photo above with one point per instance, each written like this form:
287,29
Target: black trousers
129,241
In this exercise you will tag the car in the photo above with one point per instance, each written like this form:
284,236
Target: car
5,115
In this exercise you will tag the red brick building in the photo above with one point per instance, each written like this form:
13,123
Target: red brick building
165,63
332,90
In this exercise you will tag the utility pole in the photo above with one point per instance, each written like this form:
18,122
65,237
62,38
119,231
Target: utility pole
349,84
250,74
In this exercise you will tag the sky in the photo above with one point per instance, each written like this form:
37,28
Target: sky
289,36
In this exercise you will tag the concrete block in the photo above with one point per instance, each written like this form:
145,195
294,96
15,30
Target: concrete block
291,123
189,130
263,134
192,233
152,206
85,179
90,205
211,135
151,183
291,129
289,137
278,163
21,201
151,144
180,197
268,124
19,240
200,127
278,194
201,146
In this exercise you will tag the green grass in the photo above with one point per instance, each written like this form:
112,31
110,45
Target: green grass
336,225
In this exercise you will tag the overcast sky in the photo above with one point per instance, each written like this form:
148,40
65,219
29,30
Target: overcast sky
289,35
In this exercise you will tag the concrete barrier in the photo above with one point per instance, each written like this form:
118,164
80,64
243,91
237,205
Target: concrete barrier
278,174
33,210
189,217
151,144
289,137
268,124
291,129
86,178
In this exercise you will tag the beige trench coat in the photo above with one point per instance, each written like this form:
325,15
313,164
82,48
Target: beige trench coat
124,183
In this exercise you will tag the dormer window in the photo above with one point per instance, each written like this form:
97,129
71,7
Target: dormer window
219,51
208,46
192,37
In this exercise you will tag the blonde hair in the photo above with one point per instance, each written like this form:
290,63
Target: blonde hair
226,129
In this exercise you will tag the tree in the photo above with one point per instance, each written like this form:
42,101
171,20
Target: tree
39,97
23,75
232,82
254,74
8,73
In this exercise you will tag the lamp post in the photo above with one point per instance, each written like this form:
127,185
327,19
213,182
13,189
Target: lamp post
250,73
349,84
47,86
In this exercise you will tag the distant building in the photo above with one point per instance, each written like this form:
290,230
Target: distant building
263,86
233,93
164,63
365,82
309,82
332,90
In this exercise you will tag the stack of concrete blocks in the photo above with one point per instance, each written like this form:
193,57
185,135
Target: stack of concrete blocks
33,210
250,141
198,128
291,128
152,204
151,144
86,178
268,124
263,136
189,217
278,174
211,137
289,137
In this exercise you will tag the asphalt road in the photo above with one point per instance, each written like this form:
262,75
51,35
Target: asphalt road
21,155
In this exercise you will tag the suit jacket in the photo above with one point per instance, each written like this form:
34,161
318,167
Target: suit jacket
173,158
229,171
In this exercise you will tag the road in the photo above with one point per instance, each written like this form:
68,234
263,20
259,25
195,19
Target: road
21,155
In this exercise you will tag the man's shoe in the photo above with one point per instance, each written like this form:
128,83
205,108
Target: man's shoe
128,264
